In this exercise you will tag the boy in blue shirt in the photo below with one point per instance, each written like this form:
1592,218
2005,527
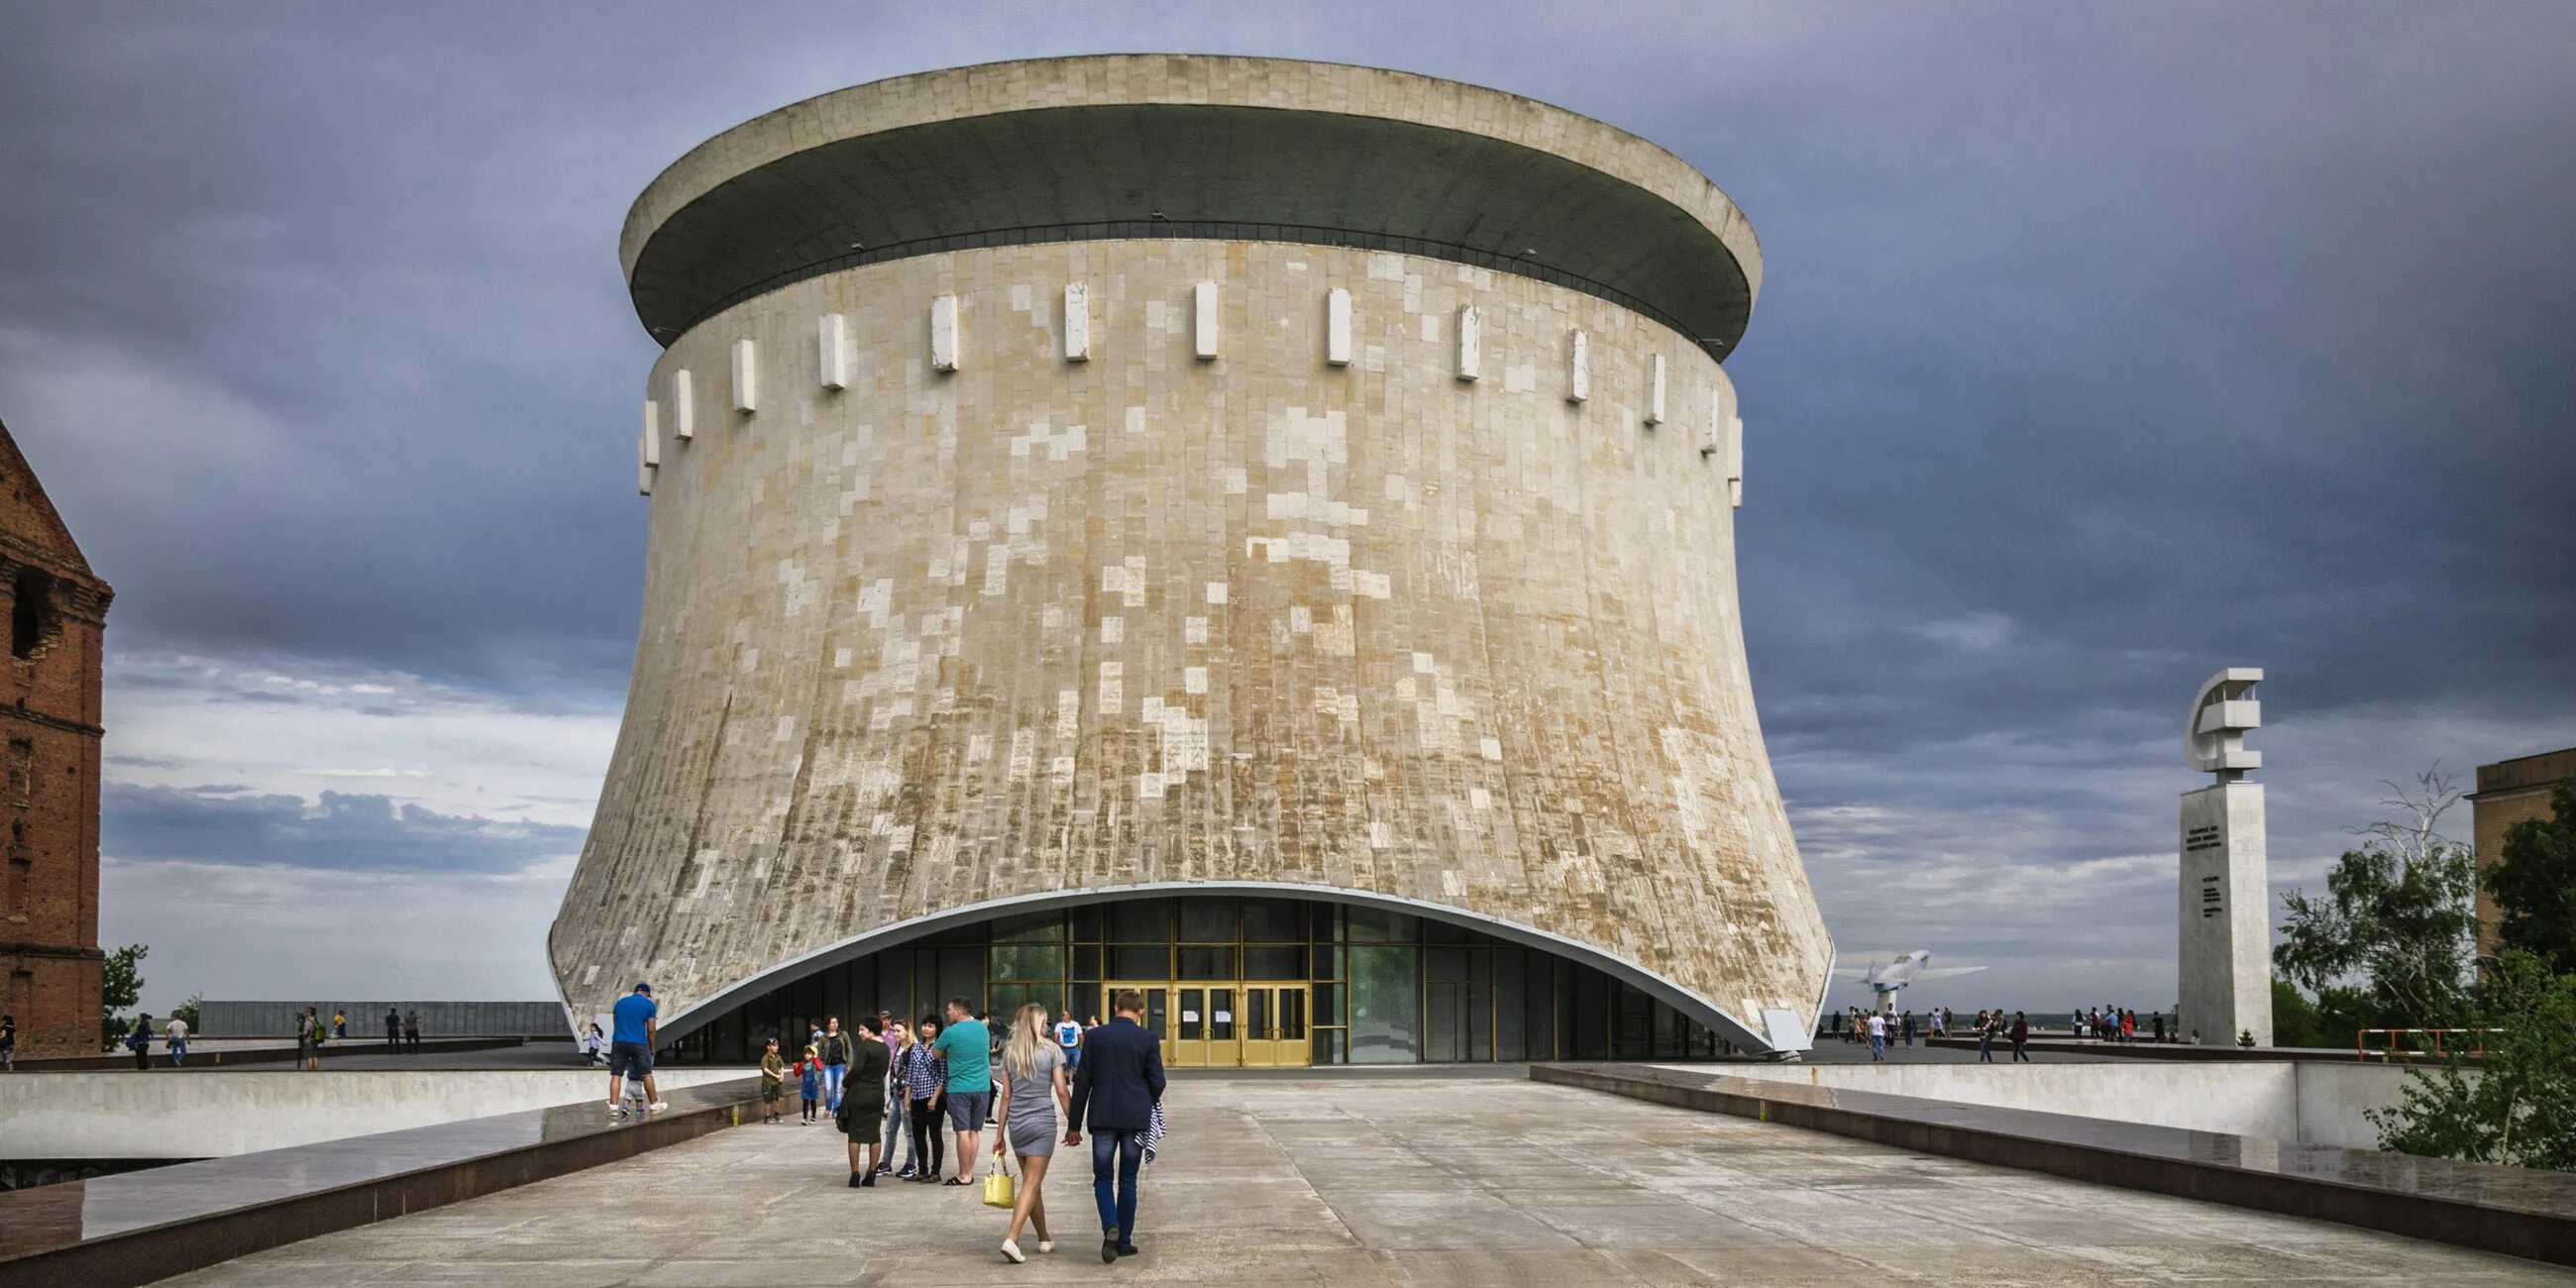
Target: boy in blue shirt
630,1050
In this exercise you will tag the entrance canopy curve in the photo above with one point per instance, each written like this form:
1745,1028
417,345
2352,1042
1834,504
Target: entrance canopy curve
1752,1036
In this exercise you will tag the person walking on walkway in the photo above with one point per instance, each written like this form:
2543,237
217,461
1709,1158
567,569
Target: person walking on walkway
968,1049
630,1049
863,1100
809,1083
1877,1036
339,1024
393,1029
140,1042
411,1031
176,1033
1033,1089
1909,1026
838,1054
308,1039
2020,1038
925,1080
1115,1093
1986,1024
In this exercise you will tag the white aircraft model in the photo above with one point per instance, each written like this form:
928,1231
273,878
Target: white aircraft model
1908,968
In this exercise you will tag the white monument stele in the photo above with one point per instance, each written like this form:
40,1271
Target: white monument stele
2225,961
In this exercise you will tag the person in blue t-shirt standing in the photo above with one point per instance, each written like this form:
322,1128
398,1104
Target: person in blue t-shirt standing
630,1049
968,1048
1068,1038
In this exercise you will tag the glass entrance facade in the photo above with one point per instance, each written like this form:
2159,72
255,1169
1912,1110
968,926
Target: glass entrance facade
1244,983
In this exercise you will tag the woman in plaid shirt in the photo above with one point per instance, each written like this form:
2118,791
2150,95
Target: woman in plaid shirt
924,1074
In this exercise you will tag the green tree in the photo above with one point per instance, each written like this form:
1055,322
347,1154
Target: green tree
2518,1105
121,987
187,1010
2397,917
2533,883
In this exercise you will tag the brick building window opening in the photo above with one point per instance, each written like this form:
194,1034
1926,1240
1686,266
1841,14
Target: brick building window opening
22,770
31,612
20,870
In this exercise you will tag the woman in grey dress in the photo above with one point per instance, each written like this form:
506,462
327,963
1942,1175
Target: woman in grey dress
1033,1090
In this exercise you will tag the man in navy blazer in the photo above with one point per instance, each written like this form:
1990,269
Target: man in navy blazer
1119,1082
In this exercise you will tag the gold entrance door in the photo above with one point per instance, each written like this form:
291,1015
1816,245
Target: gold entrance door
1206,1031
1274,1027
1157,1017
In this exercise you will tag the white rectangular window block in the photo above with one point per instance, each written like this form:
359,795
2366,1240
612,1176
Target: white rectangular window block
1077,322
1471,337
746,376
832,348
653,421
943,333
1655,391
1578,383
1337,327
643,480
645,455
648,445
1735,460
684,406
1203,306
1712,432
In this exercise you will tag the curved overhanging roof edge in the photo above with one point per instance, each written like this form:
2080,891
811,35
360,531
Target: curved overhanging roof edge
1747,1036
962,94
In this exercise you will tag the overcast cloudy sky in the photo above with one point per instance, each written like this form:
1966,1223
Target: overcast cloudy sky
2098,348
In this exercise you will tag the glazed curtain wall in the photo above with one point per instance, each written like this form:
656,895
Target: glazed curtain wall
1386,987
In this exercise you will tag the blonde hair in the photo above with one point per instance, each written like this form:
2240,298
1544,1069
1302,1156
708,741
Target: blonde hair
902,1037
1028,1033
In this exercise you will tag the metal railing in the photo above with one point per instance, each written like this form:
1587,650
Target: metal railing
2361,1042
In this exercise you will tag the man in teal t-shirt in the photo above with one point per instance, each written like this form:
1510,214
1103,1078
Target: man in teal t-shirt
969,1052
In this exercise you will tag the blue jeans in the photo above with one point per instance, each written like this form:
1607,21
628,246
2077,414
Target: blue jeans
1117,1212
1877,1045
178,1053
832,1074
1986,1048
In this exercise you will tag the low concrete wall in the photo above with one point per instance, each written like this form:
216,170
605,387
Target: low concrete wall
217,1114
2313,1103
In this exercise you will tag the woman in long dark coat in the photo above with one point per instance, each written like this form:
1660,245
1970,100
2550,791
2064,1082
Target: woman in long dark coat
863,1103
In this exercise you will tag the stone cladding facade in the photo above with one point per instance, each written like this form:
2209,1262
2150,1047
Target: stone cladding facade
1325,569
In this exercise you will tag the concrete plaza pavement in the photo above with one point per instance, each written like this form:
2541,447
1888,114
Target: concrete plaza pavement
1374,1181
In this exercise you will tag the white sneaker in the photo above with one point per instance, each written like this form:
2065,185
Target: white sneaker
659,1105
1046,1245
617,1107
1011,1252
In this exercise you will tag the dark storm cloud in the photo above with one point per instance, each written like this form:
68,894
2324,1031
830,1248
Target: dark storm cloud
336,832
2098,348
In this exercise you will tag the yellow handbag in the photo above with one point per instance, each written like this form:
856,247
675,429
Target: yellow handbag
999,1189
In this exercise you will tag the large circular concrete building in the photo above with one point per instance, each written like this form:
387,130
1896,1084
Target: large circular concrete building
1261,532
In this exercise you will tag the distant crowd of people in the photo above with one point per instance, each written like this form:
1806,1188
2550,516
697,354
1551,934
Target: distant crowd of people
1880,1029
1036,1084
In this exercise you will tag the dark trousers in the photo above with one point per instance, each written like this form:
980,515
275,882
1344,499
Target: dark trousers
393,1038
143,1057
1986,1048
929,1143
1124,1150
2018,1053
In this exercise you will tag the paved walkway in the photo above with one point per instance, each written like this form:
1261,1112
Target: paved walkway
1362,1182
